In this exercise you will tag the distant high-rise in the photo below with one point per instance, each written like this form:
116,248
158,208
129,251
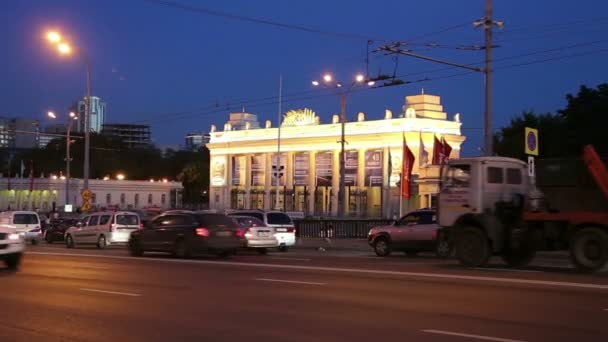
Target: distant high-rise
98,114
194,141
134,136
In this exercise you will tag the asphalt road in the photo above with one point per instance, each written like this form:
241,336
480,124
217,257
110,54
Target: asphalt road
92,295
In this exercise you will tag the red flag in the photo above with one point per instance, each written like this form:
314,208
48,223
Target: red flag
445,151
406,170
437,150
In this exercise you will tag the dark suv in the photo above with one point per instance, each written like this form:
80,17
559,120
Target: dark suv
415,232
185,234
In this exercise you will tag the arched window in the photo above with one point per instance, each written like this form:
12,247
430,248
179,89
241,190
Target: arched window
109,199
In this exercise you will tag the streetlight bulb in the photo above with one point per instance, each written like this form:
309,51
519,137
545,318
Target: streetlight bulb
120,176
72,114
53,37
371,83
315,83
339,85
360,78
64,48
327,78
51,115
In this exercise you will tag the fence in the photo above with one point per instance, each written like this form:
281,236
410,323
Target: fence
336,228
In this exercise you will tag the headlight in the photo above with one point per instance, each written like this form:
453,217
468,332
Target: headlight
13,236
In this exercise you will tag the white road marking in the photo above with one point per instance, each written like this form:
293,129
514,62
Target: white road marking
296,259
478,337
348,270
290,281
112,292
503,269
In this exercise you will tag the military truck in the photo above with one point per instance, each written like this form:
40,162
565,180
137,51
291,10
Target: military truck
491,206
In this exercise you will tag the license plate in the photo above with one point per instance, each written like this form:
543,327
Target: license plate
263,234
223,233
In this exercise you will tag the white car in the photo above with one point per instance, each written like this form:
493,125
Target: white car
103,229
281,222
26,223
12,246
257,234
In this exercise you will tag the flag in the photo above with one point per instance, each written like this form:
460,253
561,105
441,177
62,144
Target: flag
424,155
445,151
390,167
32,175
437,150
407,165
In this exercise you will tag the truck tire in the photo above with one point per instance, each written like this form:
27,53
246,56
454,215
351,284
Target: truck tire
472,247
589,250
518,257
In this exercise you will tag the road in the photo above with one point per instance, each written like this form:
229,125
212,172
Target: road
104,295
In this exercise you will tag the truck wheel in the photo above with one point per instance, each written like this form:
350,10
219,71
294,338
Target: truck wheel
472,247
589,250
518,257
382,247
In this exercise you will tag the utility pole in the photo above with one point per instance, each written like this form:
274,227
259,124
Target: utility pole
489,136
278,171
341,189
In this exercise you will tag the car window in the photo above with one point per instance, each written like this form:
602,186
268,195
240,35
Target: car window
215,220
127,220
25,219
278,218
93,221
85,221
165,220
104,219
250,222
409,219
259,216
428,218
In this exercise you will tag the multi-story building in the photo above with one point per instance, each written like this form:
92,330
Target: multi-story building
243,162
134,136
19,132
98,114
194,141
7,136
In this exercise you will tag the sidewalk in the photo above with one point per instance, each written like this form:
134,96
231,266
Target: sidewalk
359,245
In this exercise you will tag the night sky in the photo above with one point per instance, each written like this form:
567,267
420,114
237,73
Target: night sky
182,70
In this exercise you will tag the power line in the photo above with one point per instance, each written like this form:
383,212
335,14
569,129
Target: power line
539,28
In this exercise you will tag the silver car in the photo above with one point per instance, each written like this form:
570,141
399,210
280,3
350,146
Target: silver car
257,234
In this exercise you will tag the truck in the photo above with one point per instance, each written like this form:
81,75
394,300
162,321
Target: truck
499,206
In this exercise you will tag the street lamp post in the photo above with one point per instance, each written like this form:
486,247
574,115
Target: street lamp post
65,48
68,158
343,93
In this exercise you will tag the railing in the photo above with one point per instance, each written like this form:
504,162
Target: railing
336,228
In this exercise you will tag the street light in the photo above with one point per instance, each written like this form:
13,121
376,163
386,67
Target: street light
343,93
72,117
64,48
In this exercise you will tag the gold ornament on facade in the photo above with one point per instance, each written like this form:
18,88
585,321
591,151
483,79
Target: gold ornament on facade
300,117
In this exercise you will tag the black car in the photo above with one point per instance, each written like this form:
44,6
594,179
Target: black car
185,234
55,231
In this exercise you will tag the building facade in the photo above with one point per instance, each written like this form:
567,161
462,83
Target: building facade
195,141
98,114
134,136
247,171
48,193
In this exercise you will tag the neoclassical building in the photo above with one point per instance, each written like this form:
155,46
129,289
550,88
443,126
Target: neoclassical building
244,161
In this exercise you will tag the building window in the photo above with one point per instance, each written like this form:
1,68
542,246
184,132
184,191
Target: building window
149,198
122,198
94,198
494,175
136,199
109,199
163,199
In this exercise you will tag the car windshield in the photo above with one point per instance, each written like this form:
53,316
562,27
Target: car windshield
259,216
250,222
456,175
127,220
279,218
25,219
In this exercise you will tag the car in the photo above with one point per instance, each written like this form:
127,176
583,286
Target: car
186,234
102,229
285,228
12,246
26,223
415,232
257,234
57,228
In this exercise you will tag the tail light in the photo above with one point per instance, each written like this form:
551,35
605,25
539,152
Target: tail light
201,231
240,231
141,226
291,230
248,233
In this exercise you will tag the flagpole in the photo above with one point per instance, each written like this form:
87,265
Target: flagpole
278,168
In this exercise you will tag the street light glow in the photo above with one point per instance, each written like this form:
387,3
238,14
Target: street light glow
360,78
315,83
53,37
72,114
51,115
64,48
327,78
120,176
371,83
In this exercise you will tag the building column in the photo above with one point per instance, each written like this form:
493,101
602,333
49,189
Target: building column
312,181
268,181
248,176
335,182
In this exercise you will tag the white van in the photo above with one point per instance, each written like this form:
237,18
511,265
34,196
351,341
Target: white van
103,229
26,223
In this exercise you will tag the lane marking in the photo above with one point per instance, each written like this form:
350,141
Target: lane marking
478,337
112,292
348,270
296,259
503,270
290,281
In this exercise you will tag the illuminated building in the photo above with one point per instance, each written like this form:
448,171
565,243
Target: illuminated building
242,161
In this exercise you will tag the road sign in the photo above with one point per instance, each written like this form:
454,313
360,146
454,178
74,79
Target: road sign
531,167
531,137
